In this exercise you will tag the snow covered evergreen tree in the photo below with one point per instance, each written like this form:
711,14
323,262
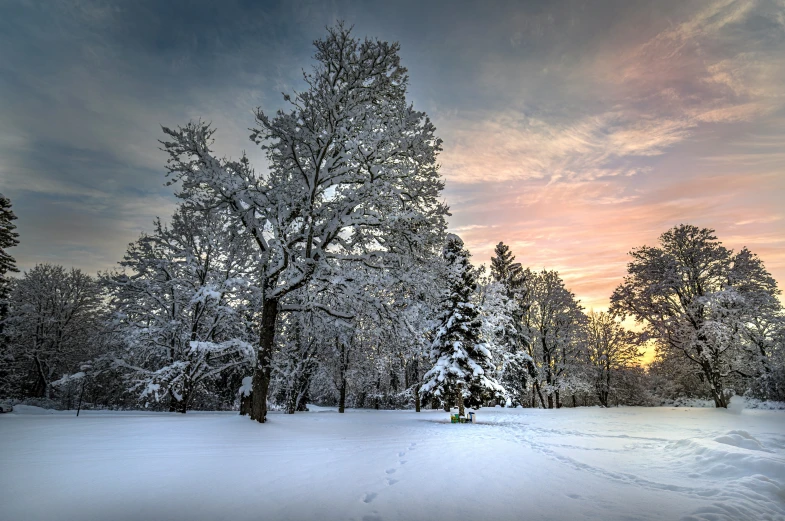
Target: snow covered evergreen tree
504,305
463,368
353,178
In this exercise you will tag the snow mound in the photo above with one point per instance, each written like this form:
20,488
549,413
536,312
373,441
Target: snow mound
736,405
741,439
31,409
734,455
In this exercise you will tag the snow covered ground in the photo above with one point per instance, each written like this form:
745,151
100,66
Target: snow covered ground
569,464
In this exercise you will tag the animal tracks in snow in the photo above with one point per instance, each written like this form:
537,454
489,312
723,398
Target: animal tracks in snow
390,481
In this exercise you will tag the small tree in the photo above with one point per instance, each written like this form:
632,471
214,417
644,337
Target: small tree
183,306
463,367
611,348
8,239
55,317
553,320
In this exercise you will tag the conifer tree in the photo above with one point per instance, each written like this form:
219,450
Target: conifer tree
503,267
463,367
8,239
517,362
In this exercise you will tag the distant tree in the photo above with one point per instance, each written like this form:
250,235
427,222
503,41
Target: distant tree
183,306
504,305
504,269
554,320
54,317
611,349
463,368
352,178
700,301
8,239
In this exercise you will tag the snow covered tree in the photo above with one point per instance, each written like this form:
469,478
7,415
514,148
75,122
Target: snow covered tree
504,304
8,239
611,349
352,177
553,320
501,329
700,301
463,368
51,328
184,306
504,269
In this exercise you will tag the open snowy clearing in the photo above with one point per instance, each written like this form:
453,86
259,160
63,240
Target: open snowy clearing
569,464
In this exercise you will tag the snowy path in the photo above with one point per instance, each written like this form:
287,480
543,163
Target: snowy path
571,464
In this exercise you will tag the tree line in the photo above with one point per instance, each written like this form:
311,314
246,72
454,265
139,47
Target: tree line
330,278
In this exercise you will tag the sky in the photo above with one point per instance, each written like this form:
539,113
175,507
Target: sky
573,131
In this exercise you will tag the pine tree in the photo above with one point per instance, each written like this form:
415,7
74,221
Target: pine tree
517,362
503,268
463,367
8,239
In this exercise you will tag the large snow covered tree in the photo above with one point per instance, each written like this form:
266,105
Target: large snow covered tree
611,349
352,177
183,306
8,239
702,303
463,368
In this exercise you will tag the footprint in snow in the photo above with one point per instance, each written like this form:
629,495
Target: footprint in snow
401,454
402,462
370,496
574,496
372,517
391,481
390,471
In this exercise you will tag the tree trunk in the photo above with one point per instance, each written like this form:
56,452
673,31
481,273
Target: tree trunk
539,393
342,398
245,405
459,399
343,368
714,380
264,356
417,398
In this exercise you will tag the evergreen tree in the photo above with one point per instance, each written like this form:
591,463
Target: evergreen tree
517,362
463,367
8,239
503,268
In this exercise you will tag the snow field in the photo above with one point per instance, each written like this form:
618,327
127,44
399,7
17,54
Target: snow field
569,464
